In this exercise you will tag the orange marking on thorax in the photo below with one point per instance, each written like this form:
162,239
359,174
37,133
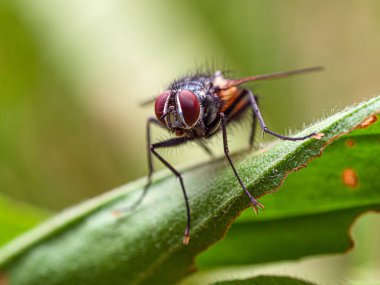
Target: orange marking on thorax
228,96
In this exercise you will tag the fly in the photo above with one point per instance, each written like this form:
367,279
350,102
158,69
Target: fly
194,108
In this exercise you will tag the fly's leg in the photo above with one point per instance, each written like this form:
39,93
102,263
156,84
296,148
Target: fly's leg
256,110
169,143
151,148
255,204
253,126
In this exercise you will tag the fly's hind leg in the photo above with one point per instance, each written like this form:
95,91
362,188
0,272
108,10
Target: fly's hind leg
256,110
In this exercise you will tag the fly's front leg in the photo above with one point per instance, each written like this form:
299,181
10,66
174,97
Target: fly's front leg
255,204
151,148
169,143
256,110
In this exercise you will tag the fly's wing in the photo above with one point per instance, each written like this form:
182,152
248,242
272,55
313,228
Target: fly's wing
236,82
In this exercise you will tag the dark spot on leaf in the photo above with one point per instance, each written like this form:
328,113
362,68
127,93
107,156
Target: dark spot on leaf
350,178
3,279
350,143
367,122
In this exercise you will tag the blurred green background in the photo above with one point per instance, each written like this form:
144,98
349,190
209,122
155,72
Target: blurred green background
73,72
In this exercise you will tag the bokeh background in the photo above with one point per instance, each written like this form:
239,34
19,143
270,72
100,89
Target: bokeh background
73,72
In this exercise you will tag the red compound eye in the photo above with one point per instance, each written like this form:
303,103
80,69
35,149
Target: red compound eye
190,106
159,105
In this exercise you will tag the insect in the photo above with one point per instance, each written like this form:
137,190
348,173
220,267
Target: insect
194,108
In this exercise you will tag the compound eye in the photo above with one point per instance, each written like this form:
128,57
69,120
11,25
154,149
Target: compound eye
190,107
159,105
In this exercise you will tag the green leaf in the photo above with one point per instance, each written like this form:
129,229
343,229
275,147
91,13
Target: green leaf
88,245
17,217
316,206
267,280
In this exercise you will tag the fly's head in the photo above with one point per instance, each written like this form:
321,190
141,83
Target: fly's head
179,110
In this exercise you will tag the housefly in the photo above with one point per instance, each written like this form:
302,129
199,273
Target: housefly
194,108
